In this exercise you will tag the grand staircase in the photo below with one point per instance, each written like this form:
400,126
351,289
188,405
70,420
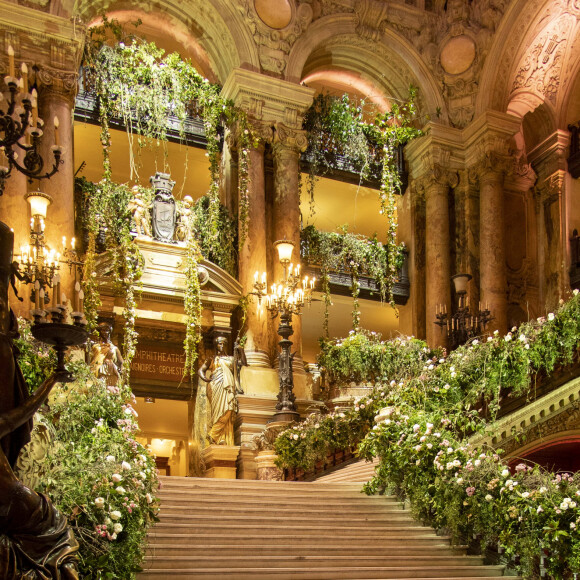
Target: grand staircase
240,529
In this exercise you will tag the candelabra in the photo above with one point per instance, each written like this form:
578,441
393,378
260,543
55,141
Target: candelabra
285,299
21,128
37,264
463,324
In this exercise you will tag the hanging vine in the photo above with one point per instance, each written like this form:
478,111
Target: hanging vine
340,135
352,253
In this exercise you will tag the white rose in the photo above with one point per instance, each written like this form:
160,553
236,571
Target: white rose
120,490
117,528
460,480
115,515
110,458
116,477
100,502
505,472
148,498
477,462
125,466
488,497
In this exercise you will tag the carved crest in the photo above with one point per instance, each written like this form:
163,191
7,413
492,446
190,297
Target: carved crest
164,210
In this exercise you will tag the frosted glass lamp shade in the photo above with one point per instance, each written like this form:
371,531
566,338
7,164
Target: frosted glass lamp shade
284,248
38,202
460,281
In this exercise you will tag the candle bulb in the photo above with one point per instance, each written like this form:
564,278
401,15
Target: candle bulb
41,294
58,296
264,278
11,61
37,295
54,282
56,135
64,242
76,296
34,120
72,243
24,79
81,300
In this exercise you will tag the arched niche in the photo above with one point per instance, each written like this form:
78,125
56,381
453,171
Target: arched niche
208,32
331,50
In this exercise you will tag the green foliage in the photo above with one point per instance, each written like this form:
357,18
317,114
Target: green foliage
363,356
223,250
352,253
423,426
338,126
94,470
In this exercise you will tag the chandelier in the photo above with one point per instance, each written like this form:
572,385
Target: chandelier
21,129
463,324
286,298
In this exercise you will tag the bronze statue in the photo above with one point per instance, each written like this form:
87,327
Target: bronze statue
35,540
106,358
223,385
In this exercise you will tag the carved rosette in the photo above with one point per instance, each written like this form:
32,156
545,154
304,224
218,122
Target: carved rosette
275,25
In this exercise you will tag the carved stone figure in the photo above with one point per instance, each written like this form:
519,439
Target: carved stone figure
140,212
106,358
183,219
35,540
222,387
164,211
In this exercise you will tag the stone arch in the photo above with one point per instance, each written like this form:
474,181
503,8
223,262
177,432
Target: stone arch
216,41
390,65
538,119
528,54
559,452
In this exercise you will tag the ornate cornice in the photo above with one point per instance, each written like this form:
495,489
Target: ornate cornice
369,17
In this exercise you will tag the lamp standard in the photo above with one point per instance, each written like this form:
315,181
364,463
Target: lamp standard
285,299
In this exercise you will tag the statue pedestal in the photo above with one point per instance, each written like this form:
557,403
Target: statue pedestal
220,461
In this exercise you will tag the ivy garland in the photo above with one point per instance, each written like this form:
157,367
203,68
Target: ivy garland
352,253
339,134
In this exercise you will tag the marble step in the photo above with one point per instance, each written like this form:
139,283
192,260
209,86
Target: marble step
349,573
383,549
229,561
422,537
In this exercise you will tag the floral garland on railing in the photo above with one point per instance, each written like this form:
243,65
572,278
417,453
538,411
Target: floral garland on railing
340,126
352,253
427,415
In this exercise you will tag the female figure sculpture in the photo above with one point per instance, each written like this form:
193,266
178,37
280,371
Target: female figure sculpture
223,385
106,358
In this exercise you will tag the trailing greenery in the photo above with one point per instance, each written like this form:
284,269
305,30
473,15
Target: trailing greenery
136,82
341,127
421,439
223,250
351,253
93,469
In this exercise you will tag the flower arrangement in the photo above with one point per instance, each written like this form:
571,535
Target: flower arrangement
422,434
95,471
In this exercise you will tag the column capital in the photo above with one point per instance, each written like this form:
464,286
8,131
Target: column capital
263,131
550,156
57,84
436,175
287,138
267,98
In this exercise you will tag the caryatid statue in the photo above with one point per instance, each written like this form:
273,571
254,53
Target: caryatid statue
223,385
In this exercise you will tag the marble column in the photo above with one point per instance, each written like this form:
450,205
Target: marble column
492,267
288,143
549,161
252,259
435,185
57,100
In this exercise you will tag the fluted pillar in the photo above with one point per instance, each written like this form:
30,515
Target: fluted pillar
549,161
288,143
435,184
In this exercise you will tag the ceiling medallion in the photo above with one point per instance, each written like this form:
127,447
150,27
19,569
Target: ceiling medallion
458,54
276,14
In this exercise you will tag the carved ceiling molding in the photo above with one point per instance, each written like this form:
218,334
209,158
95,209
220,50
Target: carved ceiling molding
555,412
274,44
369,16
